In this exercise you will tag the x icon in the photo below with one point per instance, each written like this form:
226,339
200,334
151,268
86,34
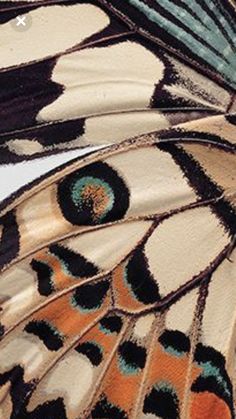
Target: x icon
21,21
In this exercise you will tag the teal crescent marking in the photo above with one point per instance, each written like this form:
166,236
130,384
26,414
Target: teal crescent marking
127,369
165,386
210,370
83,309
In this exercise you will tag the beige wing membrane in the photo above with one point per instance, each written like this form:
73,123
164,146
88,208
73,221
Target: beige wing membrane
100,260
99,84
117,269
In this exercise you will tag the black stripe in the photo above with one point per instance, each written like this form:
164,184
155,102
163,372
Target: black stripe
10,240
179,134
203,186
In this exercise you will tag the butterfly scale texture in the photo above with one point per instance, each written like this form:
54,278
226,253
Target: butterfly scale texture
117,269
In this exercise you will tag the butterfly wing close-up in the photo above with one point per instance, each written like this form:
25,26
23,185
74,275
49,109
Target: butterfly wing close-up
118,267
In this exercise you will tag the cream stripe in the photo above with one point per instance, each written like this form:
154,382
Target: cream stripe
47,35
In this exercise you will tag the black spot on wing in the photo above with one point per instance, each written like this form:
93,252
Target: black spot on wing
111,324
140,280
76,264
106,410
90,297
92,351
132,357
44,277
162,402
214,377
46,333
9,241
176,340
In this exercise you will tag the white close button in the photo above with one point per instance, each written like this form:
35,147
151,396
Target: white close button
22,23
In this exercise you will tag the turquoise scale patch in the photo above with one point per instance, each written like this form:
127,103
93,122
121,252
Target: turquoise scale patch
172,351
165,386
210,370
105,330
127,369
215,49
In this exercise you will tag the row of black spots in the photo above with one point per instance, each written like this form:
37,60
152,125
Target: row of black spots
140,280
10,238
24,92
214,377
107,410
94,352
162,401
90,297
110,324
94,194
175,342
205,188
47,333
131,360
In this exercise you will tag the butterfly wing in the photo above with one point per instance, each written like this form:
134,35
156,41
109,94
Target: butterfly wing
117,270
89,302
203,32
103,82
